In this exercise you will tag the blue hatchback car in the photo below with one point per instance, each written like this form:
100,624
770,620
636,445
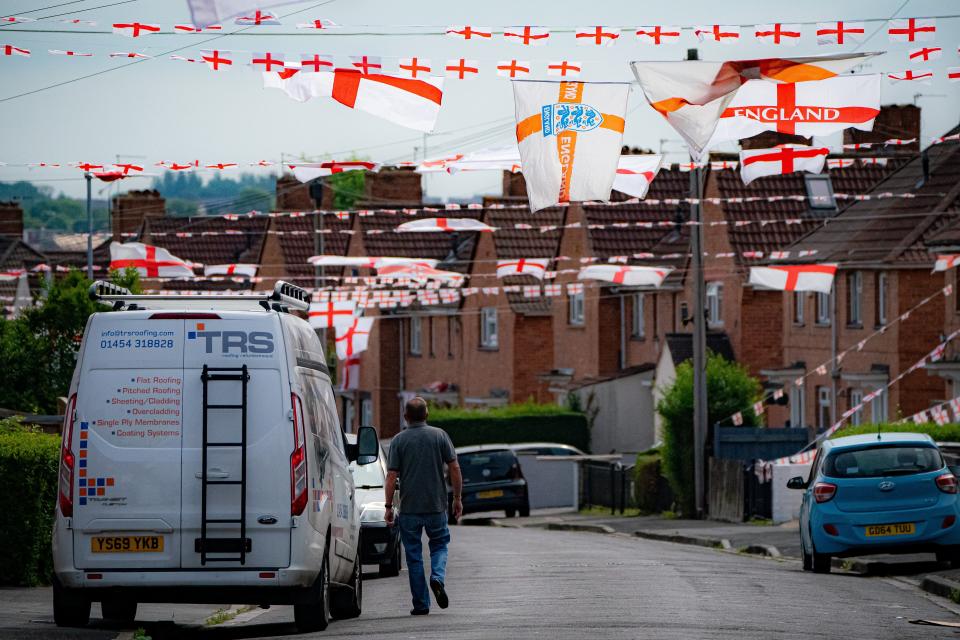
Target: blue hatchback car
886,493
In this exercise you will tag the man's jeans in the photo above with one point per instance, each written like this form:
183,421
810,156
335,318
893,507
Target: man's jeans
411,529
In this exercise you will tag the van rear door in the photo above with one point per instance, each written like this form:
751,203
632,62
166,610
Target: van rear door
224,344
126,440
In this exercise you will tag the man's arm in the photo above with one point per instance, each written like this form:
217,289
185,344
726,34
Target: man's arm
389,489
456,482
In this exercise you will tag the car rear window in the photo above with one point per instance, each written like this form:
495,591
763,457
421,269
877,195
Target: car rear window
487,466
882,461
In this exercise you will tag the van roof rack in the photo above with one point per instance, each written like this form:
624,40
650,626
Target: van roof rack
285,296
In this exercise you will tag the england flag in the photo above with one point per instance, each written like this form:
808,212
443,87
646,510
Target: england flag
810,277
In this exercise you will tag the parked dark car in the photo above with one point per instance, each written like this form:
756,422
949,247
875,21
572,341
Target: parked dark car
379,543
492,480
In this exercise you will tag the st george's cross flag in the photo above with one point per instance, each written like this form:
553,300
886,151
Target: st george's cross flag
353,338
692,95
627,276
328,315
635,173
248,270
437,225
409,102
535,267
149,261
350,381
786,158
801,277
310,170
208,12
946,261
569,134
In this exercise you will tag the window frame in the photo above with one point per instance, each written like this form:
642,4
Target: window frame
576,313
416,336
823,301
882,282
715,304
798,408
827,202
799,308
489,340
823,403
878,408
854,282
638,330
856,397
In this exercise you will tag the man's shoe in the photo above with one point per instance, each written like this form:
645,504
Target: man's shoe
419,612
439,593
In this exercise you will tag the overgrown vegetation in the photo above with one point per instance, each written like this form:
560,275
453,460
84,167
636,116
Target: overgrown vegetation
524,422
730,389
940,433
652,490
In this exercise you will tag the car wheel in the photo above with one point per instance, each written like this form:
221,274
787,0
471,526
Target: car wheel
392,567
69,608
347,602
119,611
805,557
525,509
313,613
511,513
821,562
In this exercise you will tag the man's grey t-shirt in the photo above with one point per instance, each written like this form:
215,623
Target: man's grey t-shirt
418,455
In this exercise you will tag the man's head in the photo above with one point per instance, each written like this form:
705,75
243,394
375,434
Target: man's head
415,411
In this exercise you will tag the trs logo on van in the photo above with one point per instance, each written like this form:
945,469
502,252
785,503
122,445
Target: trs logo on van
233,342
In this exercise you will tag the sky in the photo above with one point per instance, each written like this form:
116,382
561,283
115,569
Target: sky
175,111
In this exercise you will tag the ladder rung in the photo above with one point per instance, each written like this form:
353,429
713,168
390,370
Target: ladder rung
222,376
224,444
224,482
224,521
224,406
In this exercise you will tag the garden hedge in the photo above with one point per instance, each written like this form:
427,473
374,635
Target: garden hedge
940,433
28,465
516,423
651,489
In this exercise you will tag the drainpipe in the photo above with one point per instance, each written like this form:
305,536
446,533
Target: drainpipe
834,369
623,333
403,382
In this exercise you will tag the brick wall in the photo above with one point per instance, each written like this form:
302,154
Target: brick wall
918,335
533,355
895,121
385,395
11,220
293,195
608,334
130,209
761,317
514,185
769,139
394,185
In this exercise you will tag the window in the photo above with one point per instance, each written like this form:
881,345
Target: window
820,191
882,461
715,304
576,309
823,308
823,408
416,327
431,341
856,397
449,336
881,298
639,321
797,413
854,295
878,408
488,328
799,300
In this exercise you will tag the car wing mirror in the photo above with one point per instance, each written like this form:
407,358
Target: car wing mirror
367,449
796,482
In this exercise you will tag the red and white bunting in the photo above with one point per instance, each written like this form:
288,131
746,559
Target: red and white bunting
461,68
777,33
11,274
552,290
635,173
912,29
149,261
940,415
686,167
945,262
315,62
466,32
414,67
189,28
217,60
513,68
221,166
353,338
258,18
367,64
923,76
955,407
184,59
317,24
126,168
73,54
596,36
840,32
898,142
953,74
724,34
574,288
434,225
535,267
925,54
756,163
308,171
248,270
809,277
840,163
658,34
176,166
10,50
135,29
328,315
528,36
15,20
625,275
415,271
129,54
720,165
873,162
564,68
267,61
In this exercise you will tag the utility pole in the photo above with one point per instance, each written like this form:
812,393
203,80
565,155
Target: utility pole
699,336
89,177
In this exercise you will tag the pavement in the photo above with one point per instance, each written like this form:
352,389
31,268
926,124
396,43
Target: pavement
536,583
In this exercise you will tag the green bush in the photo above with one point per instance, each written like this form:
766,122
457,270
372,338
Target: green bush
945,433
28,465
650,487
729,389
526,422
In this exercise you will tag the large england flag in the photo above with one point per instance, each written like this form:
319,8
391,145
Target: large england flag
536,267
409,102
149,261
692,94
625,275
208,12
328,315
787,158
806,277
353,338
569,134
635,173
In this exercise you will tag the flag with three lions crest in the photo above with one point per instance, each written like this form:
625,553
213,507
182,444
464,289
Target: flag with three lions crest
569,134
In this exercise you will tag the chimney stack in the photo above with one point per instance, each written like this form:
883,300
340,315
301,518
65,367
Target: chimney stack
896,121
11,220
393,185
129,211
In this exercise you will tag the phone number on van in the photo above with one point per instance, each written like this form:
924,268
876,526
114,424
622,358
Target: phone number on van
137,344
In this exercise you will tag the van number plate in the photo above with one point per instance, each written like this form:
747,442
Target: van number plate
126,544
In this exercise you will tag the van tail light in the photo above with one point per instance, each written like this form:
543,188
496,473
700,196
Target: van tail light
166,315
947,483
67,459
298,460
824,491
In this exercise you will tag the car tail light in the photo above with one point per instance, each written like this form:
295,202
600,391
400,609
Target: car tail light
515,473
824,491
298,460
948,522
67,459
947,483
831,529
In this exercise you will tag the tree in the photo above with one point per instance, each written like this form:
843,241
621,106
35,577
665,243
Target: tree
730,389
347,188
38,349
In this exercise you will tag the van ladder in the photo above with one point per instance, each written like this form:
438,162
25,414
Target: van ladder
240,545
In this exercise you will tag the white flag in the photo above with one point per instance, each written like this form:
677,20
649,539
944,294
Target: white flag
499,159
840,32
787,158
569,134
912,29
208,12
326,315
625,275
353,338
807,277
635,173
434,225
248,270
946,262
535,267
351,374
149,261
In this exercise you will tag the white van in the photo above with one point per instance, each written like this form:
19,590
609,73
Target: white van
203,461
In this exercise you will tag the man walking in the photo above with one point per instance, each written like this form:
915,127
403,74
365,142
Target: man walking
417,456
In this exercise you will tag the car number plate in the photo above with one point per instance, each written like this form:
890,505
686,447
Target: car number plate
898,529
496,493
126,544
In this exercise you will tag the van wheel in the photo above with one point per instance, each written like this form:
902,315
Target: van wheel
69,608
347,602
392,568
119,611
313,613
